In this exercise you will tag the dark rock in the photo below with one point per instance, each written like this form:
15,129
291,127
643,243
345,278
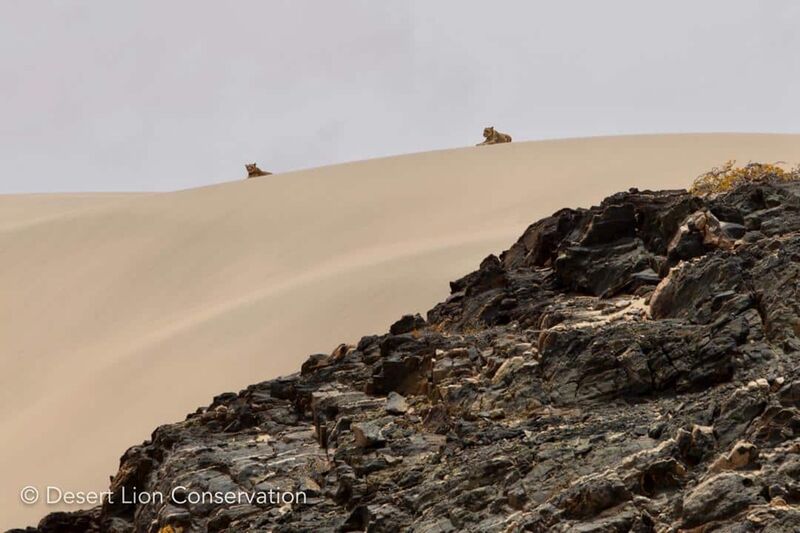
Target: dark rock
696,445
602,270
656,430
739,409
61,522
368,434
539,245
314,362
732,231
407,324
614,223
589,496
721,496
647,276
701,232
396,404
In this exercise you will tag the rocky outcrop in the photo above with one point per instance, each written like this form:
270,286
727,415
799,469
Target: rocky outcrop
629,367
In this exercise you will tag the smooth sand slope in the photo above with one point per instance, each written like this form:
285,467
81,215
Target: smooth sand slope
17,210
120,312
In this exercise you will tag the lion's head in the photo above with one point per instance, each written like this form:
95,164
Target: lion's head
488,132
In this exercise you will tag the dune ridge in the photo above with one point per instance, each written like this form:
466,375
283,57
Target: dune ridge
121,312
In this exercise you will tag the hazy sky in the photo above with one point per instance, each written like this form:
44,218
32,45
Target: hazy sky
159,95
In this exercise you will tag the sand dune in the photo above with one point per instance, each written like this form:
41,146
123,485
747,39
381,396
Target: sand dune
120,312
21,209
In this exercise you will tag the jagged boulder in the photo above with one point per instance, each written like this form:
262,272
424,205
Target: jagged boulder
721,496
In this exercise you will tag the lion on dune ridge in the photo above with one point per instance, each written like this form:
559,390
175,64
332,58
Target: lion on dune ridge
492,136
253,171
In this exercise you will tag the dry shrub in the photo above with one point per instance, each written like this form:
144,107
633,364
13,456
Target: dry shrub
729,176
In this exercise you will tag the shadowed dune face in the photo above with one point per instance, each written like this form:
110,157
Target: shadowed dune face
120,312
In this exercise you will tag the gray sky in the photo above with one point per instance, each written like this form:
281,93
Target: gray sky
160,95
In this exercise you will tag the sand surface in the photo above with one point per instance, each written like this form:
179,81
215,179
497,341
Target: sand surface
121,312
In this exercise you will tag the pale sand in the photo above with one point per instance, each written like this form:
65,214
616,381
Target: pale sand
21,209
121,312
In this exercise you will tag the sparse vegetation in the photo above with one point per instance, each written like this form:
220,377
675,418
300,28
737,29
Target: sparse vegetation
728,176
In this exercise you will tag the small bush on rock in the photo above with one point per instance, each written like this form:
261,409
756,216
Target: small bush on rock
728,176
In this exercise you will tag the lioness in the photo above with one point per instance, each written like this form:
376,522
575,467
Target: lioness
494,137
253,171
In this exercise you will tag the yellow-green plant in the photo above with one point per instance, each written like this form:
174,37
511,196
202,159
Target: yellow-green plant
728,176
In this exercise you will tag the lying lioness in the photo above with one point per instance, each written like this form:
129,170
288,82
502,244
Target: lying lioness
494,137
253,171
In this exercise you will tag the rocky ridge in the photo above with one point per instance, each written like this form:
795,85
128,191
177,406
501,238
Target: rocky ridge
632,367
